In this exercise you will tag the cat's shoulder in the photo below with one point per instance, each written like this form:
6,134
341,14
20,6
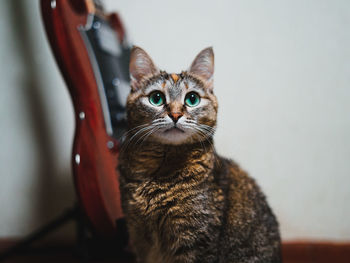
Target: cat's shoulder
244,196
228,168
230,175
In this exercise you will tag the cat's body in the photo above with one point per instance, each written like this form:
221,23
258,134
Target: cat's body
183,202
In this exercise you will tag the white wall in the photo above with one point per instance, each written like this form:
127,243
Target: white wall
36,124
282,80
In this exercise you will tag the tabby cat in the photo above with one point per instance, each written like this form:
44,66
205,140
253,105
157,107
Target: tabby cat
182,201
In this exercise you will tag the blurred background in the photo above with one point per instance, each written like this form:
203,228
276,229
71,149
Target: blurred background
282,80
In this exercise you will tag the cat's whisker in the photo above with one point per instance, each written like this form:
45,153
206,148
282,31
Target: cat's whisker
204,135
140,132
202,144
149,133
153,128
133,129
146,133
200,137
207,138
157,121
207,128
199,133
128,142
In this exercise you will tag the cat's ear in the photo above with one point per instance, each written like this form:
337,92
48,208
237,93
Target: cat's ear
141,65
203,64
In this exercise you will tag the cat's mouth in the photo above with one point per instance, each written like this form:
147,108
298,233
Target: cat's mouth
173,135
174,129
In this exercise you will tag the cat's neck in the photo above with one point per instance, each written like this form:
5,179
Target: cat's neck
179,152
152,157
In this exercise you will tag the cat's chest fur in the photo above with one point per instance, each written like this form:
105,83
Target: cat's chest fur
166,187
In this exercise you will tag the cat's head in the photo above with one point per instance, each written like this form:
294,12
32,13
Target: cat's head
171,108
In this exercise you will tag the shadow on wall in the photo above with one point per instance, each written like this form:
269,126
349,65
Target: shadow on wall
52,196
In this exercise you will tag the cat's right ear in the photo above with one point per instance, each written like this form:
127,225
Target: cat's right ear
203,64
141,66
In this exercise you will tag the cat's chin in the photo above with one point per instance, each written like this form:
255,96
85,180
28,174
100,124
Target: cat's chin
174,136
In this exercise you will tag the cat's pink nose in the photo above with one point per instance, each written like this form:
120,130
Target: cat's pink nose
175,116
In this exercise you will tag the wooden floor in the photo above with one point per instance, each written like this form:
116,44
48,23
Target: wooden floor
293,252
59,252
316,252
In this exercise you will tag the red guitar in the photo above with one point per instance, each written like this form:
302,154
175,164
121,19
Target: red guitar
91,50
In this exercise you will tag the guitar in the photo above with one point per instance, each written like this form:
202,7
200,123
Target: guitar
92,53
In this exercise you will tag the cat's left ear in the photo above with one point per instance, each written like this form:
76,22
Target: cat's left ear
203,64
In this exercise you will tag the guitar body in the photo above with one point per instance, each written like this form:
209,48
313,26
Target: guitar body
95,149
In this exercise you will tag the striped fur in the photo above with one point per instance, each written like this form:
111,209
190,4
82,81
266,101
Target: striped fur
182,201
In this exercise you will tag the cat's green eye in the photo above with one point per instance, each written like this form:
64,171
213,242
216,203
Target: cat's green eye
157,98
192,99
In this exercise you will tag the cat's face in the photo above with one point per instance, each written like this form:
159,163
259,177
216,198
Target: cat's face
171,108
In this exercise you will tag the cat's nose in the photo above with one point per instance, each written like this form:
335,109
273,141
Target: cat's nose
175,116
